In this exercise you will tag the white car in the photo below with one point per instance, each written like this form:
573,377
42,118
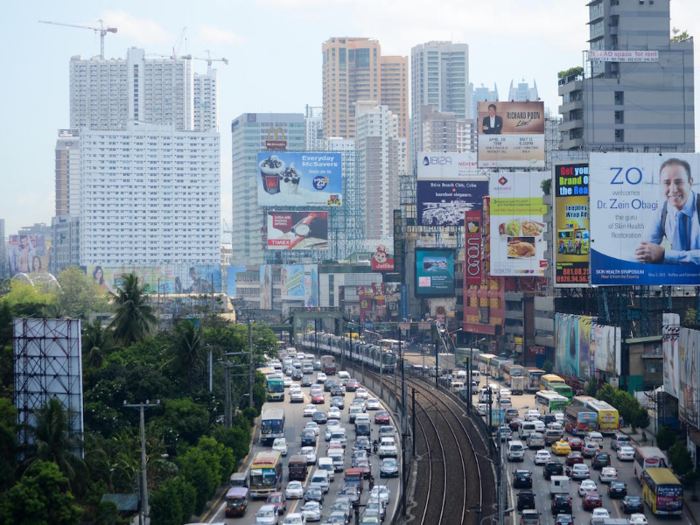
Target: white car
295,518
294,490
313,426
580,472
361,393
607,474
332,423
637,519
556,426
598,516
321,377
288,382
482,409
373,404
280,445
334,413
294,386
587,487
559,416
625,453
310,410
382,493
311,511
310,454
542,457
267,515
296,396
532,415
387,448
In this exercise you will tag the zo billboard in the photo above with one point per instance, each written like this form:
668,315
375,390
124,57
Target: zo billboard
301,230
511,134
644,227
450,165
571,214
435,272
444,202
299,179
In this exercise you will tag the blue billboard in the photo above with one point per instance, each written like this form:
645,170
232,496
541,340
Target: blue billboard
435,272
443,202
295,180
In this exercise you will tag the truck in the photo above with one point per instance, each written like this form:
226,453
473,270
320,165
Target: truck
517,385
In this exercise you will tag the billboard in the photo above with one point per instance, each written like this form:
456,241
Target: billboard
451,165
571,213
300,179
645,230
518,228
443,203
382,261
574,349
472,247
435,272
297,230
231,279
265,287
299,282
511,134
689,360
28,253
165,279
671,332
623,56
608,341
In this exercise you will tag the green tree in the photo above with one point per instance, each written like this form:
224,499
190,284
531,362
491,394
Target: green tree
592,387
174,503
547,367
97,343
640,418
573,71
688,320
197,471
679,36
681,459
546,186
134,316
220,457
40,497
107,513
8,443
665,437
79,294
187,352
25,300
236,438
188,420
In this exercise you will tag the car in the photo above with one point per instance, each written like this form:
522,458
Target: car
587,487
505,433
526,500
510,414
332,424
280,445
607,474
316,388
561,448
482,409
637,519
306,381
288,382
373,404
277,500
574,458
514,424
310,454
601,460
350,492
625,453
590,449
297,375
592,501
387,448
312,425
296,363
617,489
296,396
361,393
375,508
352,385
381,418
362,443
309,410
344,506
317,365
294,490
317,398
522,479
364,465
386,431
564,519
314,493
620,440
553,468
308,437
632,505
559,416
266,515
561,504
547,418
530,517
321,377
388,468
598,516
532,415
580,472
320,417
295,518
575,443
328,385
359,402
338,402
542,457
337,391
369,520
334,413
311,511
382,493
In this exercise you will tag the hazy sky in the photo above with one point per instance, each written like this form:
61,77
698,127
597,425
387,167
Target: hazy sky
274,52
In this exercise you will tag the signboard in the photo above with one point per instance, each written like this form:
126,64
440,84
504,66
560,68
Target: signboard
164,279
537,350
472,247
518,228
645,228
571,214
435,272
443,203
689,354
381,261
275,139
299,282
301,230
27,253
300,179
574,351
231,279
511,135
451,165
607,341
623,56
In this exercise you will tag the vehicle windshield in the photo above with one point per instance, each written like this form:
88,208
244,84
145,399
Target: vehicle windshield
266,513
262,477
275,386
271,425
234,502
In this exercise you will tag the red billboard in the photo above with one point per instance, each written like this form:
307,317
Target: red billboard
472,247
381,261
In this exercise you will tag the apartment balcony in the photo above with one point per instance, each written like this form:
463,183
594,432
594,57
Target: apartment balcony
570,84
572,144
514,329
570,106
514,314
570,124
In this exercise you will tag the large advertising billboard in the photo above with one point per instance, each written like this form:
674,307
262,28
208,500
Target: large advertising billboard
645,228
689,357
165,279
28,253
299,282
608,342
300,179
444,202
517,236
435,272
232,279
671,333
297,230
571,213
472,247
511,134
450,165
574,349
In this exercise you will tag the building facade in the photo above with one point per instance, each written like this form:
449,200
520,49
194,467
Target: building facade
65,246
481,94
67,172
3,250
522,92
314,129
206,101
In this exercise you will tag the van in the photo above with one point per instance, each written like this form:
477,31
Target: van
476,376
338,457
527,428
343,377
594,437
320,479
620,440
457,386
484,396
354,411
327,465
558,486
516,451
236,501
552,436
298,468
535,440
239,479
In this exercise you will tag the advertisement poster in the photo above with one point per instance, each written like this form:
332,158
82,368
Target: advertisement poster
299,179
299,282
645,228
689,355
450,165
671,333
623,56
443,203
165,279
301,230
231,279
574,348
472,247
518,243
382,261
571,213
27,253
608,341
435,272
511,134
266,287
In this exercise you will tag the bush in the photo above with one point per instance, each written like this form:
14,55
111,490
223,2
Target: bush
174,503
107,514
547,367
251,413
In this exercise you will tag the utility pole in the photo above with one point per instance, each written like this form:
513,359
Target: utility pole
251,377
437,374
468,365
413,410
144,482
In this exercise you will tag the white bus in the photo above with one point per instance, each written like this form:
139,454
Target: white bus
648,457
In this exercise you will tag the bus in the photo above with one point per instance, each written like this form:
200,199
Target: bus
547,402
265,473
533,378
484,362
328,365
608,417
509,370
496,368
648,457
275,388
662,491
271,425
579,420
556,383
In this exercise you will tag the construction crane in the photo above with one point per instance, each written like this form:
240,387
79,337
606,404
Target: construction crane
102,30
209,60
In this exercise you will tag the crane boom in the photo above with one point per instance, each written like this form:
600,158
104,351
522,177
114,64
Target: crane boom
102,30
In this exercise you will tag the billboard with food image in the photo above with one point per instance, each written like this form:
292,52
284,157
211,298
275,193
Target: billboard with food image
517,214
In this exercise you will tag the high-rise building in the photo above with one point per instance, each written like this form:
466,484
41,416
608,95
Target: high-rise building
354,69
38,228
206,101
149,196
623,102
382,153
481,94
65,245
3,250
314,129
68,172
249,134
467,136
523,92
439,130
439,78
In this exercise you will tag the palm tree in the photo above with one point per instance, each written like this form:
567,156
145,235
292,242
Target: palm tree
187,351
134,316
96,343
53,441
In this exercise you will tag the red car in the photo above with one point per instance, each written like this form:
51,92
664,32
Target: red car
352,385
277,499
318,398
575,443
592,501
573,458
381,418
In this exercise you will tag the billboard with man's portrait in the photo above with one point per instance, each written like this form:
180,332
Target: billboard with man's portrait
645,227
28,253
